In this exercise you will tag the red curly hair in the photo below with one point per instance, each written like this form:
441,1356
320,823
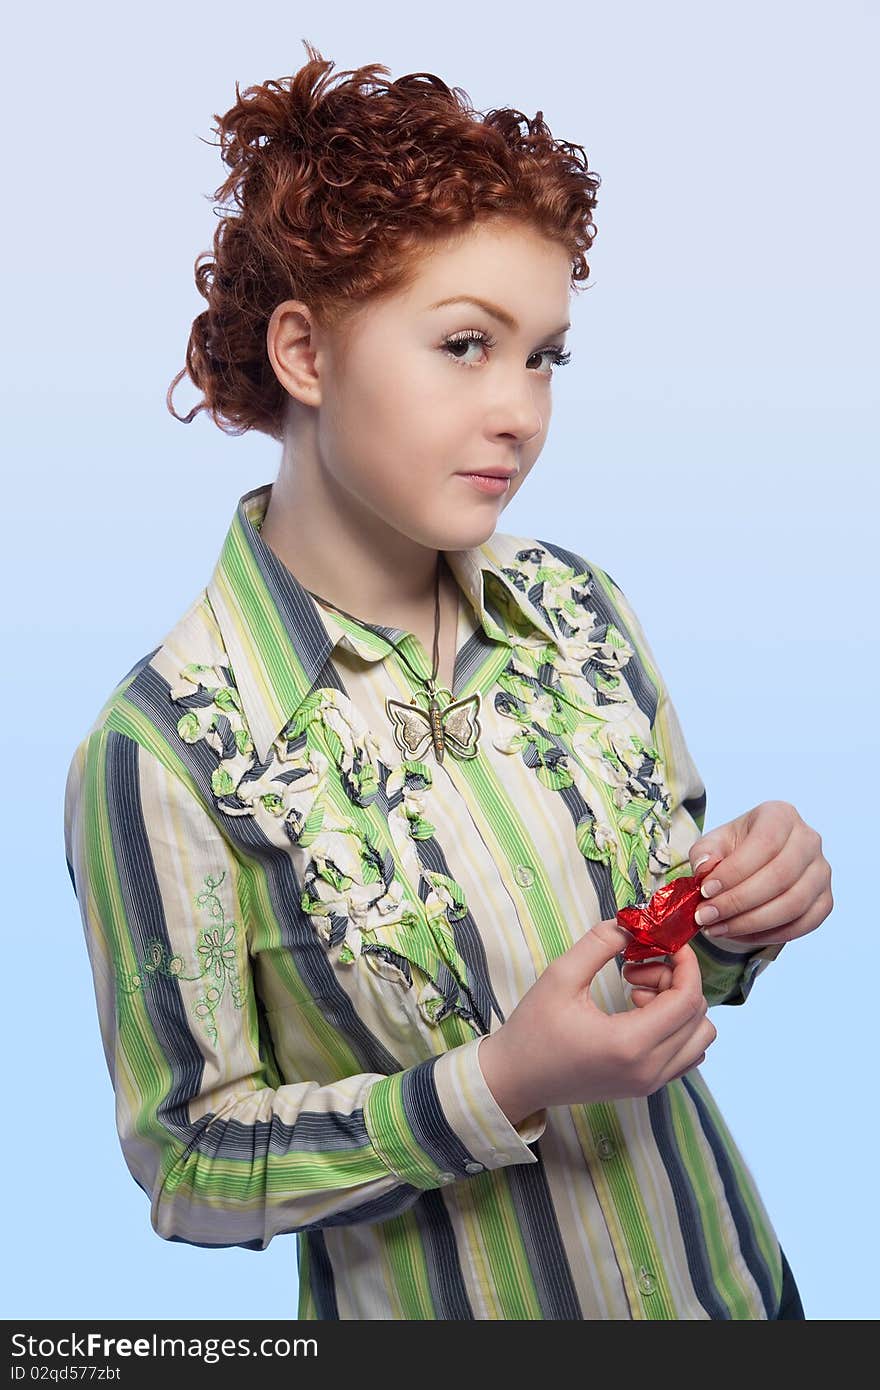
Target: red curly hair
338,192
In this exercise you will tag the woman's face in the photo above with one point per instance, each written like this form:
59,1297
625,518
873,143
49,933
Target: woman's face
405,413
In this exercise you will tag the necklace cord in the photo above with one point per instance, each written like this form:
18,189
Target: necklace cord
436,657
456,722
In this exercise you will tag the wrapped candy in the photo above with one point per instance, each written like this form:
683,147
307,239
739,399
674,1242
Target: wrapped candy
664,923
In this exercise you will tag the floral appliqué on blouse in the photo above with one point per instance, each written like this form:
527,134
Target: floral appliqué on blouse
356,899
574,719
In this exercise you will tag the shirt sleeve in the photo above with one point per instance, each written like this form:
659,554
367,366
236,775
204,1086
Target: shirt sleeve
728,976
229,1153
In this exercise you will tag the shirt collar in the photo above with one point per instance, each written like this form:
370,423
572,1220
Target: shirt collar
278,639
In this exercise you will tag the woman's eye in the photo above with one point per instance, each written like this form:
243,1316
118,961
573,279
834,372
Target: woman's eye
458,344
464,341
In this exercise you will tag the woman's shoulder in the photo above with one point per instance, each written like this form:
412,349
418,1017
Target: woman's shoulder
583,601
141,703
538,560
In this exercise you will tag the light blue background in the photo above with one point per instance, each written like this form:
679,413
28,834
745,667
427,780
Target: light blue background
718,425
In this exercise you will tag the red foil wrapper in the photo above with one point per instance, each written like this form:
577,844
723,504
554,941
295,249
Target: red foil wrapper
665,922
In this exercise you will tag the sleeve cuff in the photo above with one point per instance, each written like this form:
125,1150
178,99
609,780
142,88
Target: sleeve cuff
728,976
438,1122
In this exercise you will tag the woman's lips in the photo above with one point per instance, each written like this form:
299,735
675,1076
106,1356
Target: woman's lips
485,482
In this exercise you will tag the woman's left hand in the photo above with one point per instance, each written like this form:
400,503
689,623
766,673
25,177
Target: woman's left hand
773,881
775,884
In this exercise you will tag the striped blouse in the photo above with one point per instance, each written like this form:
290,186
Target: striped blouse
299,936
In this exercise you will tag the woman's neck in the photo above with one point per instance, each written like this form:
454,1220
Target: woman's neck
388,581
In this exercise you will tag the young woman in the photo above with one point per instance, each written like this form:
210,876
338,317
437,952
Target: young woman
350,843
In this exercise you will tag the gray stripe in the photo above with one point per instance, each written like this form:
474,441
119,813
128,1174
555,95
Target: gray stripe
449,1295
752,1255
686,1203
145,919
545,1248
427,1120
297,610
321,1279
471,656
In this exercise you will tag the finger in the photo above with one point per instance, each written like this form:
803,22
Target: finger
707,859
770,826
671,1009
788,906
640,996
655,974
690,1067
779,935
682,1051
691,1046
599,944
659,1055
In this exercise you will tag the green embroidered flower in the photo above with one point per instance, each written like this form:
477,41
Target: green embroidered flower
216,952
156,961
218,959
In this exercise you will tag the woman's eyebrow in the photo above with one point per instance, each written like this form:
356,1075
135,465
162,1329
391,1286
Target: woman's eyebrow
496,312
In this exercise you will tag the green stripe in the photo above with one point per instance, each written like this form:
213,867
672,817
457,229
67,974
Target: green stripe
685,1123
765,1236
264,629
409,1266
593,1122
389,1129
306,1307
512,1282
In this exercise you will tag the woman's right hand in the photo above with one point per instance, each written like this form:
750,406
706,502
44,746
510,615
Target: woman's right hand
558,1047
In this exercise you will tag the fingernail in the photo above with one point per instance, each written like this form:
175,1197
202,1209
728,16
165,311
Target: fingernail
713,886
706,914
720,930
701,861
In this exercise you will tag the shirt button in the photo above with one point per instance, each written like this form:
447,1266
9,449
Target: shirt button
646,1282
446,1177
606,1147
473,1167
523,875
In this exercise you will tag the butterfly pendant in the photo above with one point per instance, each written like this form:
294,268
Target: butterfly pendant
456,725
